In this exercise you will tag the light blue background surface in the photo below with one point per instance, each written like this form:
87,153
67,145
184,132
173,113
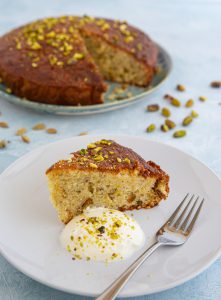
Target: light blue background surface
191,32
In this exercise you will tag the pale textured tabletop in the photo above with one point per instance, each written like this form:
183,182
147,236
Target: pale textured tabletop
191,32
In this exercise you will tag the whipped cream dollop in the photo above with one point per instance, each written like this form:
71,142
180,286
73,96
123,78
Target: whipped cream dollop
102,234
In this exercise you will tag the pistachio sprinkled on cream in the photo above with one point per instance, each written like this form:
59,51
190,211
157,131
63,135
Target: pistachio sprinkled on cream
102,234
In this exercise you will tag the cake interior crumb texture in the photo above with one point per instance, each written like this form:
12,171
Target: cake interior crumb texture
118,66
127,186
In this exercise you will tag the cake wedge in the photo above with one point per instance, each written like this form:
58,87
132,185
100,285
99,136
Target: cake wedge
105,174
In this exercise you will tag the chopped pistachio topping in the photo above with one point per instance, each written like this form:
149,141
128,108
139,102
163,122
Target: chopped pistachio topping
91,146
124,29
83,151
34,45
18,45
8,90
53,59
104,142
105,26
139,46
99,158
94,166
127,160
129,39
34,65
84,159
78,56
97,149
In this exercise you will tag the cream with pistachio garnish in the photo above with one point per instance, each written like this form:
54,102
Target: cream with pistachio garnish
102,234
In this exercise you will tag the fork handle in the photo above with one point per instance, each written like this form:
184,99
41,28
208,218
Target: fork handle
113,290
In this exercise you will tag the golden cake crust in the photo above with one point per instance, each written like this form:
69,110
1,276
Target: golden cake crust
47,60
109,156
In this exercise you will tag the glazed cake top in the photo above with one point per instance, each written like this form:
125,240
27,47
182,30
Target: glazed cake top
48,49
109,156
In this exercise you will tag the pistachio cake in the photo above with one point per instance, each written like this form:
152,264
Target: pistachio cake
105,174
65,60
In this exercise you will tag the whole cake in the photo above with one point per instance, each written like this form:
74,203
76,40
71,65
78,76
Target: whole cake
65,60
105,174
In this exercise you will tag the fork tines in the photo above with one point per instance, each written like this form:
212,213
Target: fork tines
183,218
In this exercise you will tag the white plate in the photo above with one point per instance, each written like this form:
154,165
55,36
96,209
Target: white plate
29,228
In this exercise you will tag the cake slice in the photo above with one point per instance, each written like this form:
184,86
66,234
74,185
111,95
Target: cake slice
105,174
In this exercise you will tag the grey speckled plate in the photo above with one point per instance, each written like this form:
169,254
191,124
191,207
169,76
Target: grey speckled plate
138,93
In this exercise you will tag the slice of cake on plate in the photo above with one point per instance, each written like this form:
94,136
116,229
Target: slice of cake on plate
105,174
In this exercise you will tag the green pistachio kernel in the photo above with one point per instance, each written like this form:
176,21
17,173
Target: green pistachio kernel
202,98
189,103
175,102
180,88
179,134
194,114
187,121
164,128
170,124
151,128
166,112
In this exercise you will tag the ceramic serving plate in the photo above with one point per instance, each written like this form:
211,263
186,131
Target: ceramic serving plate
164,68
30,229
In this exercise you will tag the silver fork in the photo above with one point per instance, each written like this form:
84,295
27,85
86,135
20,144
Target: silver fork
174,232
